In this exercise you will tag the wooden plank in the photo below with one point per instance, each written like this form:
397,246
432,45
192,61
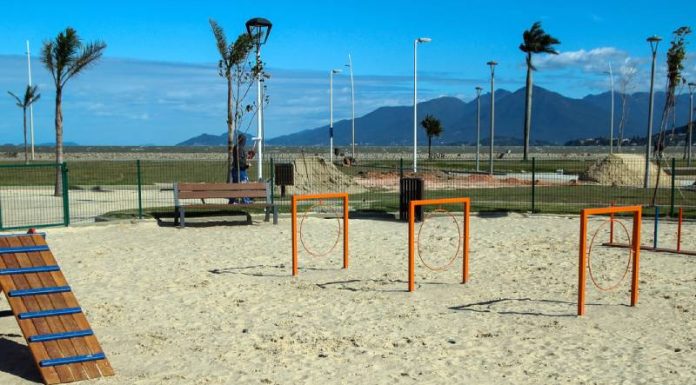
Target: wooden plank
50,376
99,368
63,323
226,206
222,194
220,186
41,325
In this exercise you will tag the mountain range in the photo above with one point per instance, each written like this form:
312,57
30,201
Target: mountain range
556,119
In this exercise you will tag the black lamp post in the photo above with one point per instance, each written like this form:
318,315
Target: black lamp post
258,29
654,41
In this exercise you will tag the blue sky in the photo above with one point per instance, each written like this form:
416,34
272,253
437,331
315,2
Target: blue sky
158,82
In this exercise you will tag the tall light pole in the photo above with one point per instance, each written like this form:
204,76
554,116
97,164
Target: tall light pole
692,87
331,133
415,99
31,106
492,64
352,100
611,123
478,125
654,41
258,29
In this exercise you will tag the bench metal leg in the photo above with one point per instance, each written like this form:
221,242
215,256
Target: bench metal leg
182,215
267,211
275,215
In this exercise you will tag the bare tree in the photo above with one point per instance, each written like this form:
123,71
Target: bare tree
626,86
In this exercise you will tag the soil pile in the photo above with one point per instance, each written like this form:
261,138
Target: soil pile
316,175
624,170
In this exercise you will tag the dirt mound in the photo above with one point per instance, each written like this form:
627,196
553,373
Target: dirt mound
316,175
623,170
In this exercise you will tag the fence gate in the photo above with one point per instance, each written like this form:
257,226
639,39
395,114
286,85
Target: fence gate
27,196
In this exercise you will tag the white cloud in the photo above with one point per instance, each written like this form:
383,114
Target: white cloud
592,61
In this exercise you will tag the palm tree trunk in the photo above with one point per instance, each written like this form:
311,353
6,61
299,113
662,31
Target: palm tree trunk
59,141
528,110
26,151
230,129
430,140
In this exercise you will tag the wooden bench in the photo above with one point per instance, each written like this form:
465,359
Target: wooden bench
260,192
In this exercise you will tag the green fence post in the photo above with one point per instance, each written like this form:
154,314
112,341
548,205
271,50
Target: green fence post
533,184
674,177
140,189
401,168
66,198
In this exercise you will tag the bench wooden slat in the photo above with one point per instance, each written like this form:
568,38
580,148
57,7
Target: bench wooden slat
222,194
185,187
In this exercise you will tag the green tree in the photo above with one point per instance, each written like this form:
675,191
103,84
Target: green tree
534,41
65,57
433,127
31,95
239,72
675,65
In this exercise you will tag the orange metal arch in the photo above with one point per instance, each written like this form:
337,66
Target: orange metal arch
635,245
466,202
304,197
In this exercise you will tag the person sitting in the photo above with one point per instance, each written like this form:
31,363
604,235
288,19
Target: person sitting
238,173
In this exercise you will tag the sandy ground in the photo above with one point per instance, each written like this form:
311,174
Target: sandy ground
217,305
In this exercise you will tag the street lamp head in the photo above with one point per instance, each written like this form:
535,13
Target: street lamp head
424,40
654,39
492,63
336,71
259,28
479,89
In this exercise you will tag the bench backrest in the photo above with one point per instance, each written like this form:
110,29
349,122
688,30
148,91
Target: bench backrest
220,190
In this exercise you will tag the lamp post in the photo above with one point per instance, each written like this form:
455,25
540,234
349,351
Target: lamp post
611,123
692,87
478,125
258,29
654,41
415,99
331,133
352,100
492,64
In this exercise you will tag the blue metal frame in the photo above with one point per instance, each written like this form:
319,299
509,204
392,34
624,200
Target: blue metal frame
30,270
39,291
61,336
49,313
24,249
72,360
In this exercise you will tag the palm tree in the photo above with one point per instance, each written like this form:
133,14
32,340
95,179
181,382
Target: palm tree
231,56
65,57
30,96
432,127
534,40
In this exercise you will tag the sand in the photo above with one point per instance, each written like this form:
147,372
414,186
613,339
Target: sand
625,170
217,305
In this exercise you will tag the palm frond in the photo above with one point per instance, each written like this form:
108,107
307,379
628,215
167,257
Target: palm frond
89,54
19,101
47,58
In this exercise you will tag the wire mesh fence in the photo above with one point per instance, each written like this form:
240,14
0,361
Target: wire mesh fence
133,189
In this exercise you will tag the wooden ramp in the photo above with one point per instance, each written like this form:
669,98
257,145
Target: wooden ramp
57,332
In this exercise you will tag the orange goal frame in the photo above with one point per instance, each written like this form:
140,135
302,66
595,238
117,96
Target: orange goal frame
306,197
635,246
412,236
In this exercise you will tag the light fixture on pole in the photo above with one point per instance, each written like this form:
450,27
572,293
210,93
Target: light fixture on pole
415,99
352,100
492,64
331,133
654,41
478,125
692,87
31,106
611,123
258,29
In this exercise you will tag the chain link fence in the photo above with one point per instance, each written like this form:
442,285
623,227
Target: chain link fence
97,190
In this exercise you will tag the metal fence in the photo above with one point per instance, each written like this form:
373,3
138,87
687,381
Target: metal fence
98,189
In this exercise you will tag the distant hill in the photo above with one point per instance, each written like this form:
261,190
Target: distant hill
556,119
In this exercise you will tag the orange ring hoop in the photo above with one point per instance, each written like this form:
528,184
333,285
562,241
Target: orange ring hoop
446,266
589,257
304,245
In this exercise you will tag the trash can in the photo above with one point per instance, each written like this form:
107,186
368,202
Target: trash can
284,174
410,189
